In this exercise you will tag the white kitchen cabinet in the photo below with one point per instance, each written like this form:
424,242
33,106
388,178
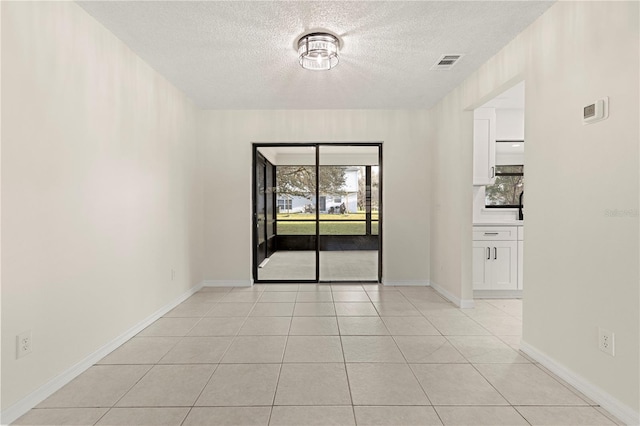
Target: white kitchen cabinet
495,233
504,268
484,146
509,124
497,258
520,257
520,264
495,265
481,266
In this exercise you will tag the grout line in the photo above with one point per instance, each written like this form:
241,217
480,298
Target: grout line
188,412
275,392
576,392
521,415
437,414
245,319
95,423
344,359
491,384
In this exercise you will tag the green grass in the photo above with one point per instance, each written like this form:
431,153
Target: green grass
330,224
326,228
323,216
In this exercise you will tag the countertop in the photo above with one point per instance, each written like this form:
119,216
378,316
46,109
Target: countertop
509,223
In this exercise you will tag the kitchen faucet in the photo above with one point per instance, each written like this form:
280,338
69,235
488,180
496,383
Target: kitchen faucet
520,206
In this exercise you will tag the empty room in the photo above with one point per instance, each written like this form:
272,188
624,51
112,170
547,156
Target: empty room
314,212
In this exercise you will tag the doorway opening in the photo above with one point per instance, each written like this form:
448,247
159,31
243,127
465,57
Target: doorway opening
317,212
499,172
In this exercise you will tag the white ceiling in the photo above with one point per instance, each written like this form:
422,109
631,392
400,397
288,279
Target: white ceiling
241,55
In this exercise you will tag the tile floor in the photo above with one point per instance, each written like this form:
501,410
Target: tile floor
342,265
322,355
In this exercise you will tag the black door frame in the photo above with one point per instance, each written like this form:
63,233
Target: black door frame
254,193
268,174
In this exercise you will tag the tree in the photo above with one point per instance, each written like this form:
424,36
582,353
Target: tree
507,187
300,181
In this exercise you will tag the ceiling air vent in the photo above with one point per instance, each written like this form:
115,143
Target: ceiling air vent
446,62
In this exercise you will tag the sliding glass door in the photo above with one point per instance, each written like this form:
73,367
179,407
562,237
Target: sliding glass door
317,212
348,248
291,191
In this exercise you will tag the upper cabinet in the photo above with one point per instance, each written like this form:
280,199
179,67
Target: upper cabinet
509,124
509,136
484,146
498,139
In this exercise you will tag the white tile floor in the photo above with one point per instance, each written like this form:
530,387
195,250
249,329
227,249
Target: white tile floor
343,265
320,355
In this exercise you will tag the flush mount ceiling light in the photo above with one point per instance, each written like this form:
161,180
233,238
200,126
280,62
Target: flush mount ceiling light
318,51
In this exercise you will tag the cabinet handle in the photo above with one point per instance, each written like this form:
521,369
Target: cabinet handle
490,233
488,253
493,172
495,253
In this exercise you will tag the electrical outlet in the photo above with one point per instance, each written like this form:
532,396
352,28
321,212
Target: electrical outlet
606,341
23,344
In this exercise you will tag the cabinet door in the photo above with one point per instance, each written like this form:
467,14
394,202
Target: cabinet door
481,267
484,146
520,264
504,265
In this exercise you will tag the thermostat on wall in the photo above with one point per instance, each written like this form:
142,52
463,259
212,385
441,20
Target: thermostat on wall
599,110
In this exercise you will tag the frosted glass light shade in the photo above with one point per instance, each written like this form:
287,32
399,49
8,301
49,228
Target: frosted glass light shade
318,51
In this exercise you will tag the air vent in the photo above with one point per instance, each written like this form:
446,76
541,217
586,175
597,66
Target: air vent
446,62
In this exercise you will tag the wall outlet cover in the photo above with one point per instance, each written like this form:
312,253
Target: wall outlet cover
23,344
606,341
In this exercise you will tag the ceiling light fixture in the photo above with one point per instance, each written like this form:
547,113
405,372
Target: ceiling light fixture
318,51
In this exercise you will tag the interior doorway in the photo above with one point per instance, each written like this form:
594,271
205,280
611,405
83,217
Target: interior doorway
499,170
317,212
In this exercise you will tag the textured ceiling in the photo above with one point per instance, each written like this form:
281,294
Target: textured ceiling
241,55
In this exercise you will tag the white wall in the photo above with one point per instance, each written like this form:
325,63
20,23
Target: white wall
581,257
451,171
227,138
101,195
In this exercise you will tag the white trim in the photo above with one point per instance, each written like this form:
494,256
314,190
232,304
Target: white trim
460,303
497,294
617,408
227,283
21,407
415,283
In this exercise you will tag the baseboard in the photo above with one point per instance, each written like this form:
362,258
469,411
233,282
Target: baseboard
460,303
623,412
497,294
408,283
21,407
227,283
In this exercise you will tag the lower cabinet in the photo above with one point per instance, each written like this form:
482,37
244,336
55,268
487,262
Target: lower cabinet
520,264
495,265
